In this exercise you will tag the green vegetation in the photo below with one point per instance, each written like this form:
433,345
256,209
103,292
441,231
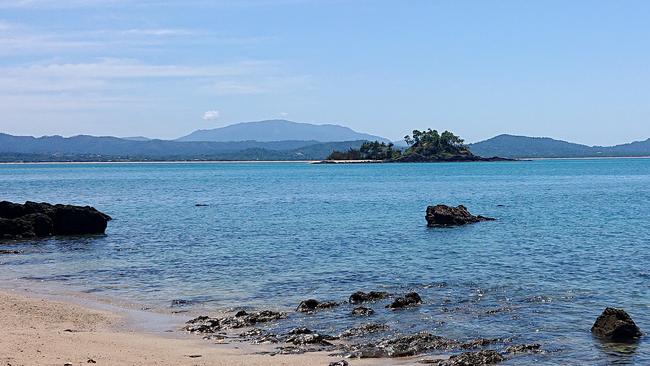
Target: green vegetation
426,145
430,143
368,151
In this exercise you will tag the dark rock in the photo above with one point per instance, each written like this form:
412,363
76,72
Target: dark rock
251,333
43,219
524,348
403,346
481,342
339,363
364,330
360,297
311,338
480,358
616,325
311,305
410,299
240,313
301,330
442,215
362,311
8,251
204,324
201,205
266,339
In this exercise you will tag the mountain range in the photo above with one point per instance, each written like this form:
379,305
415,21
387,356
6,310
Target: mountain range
279,130
272,140
510,146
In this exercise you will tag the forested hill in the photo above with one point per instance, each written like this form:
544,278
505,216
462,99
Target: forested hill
91,148
510,146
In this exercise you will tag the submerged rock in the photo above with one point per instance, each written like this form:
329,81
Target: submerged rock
480,358
408,300
364,330
442,215
33,219
403,346
205,324
524,348
360,297
616,325
311,305
362,311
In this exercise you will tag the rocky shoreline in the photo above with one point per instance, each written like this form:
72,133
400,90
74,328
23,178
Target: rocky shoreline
614,325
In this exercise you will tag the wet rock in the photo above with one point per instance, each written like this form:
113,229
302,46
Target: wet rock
524,348
408,300
33,219
364,330
442,215
310,338
403,346
360,297
616,325
480,358
312,305
251,333
362,311
339,363
180,303
300,330
242,319
9,251
481,342
266,339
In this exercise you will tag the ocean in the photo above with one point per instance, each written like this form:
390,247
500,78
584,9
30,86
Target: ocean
571,238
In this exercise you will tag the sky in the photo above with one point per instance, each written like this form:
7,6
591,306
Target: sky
573,70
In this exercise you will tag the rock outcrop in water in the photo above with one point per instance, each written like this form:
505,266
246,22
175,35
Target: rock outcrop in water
32,219
408,300
360,297
402,346
442,215
312,305
616,325
480,358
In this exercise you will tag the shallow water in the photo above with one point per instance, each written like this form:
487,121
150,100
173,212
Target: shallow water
572,237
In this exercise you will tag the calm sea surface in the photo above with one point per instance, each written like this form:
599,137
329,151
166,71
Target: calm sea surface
572,237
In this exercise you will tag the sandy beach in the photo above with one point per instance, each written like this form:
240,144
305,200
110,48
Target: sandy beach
37,330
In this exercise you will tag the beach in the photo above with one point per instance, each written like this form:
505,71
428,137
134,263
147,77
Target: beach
39,331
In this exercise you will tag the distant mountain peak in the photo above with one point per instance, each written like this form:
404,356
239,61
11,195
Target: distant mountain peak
279,130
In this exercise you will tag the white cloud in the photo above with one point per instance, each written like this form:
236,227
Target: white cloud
284,114
210,115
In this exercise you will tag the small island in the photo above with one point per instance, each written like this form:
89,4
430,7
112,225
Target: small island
423,147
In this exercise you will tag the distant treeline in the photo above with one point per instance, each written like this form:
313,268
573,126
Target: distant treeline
90,148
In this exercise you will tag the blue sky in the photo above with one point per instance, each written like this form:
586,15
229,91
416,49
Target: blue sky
575,70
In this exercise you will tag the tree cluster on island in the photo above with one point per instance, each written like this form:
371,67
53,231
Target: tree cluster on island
423,146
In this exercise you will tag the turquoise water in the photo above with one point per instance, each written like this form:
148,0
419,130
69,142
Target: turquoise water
572,237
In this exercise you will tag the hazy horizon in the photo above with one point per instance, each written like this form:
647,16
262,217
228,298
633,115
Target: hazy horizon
571,71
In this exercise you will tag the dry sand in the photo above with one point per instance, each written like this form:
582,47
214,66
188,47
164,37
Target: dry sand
37,330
